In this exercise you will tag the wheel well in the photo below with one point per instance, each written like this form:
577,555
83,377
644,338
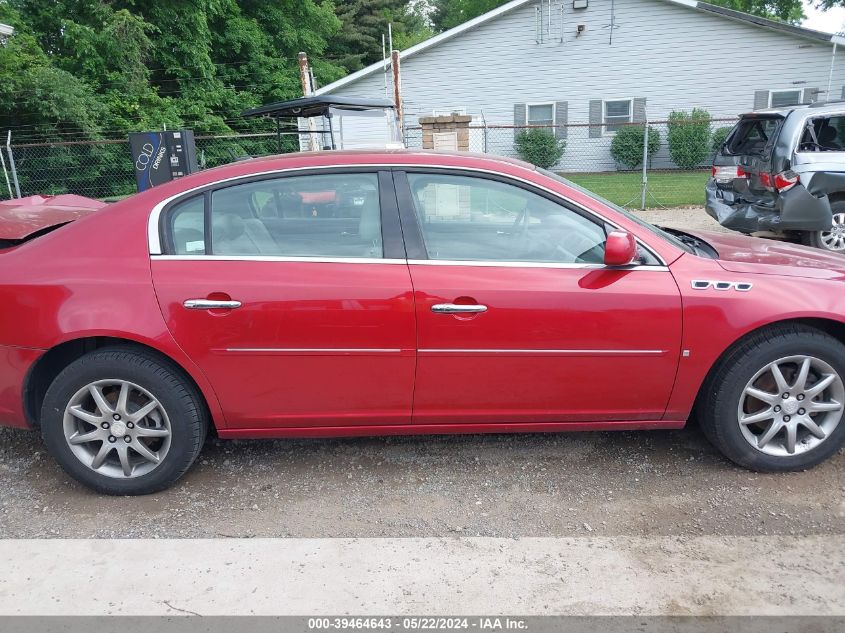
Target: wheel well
830,327
836,196
51,364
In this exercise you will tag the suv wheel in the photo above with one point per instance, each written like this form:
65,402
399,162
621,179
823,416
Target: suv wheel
123,422
777,402
834,239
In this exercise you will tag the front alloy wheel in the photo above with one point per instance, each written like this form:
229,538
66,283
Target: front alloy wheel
775,401
791,406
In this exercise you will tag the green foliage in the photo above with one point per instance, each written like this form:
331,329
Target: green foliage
790,11
540,147
689,137
359,41
720,135
448,14
627,145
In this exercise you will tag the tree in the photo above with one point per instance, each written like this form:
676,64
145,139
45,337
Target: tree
359,43
448,14
790,11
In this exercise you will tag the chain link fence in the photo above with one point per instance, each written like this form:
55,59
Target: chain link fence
604,159
103,169
608,160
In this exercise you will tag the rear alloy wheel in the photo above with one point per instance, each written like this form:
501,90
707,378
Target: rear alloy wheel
834,239
776,402
123,421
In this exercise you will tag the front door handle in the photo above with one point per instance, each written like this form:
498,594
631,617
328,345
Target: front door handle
210,304
457,308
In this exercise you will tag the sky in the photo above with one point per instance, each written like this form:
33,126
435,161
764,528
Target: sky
831,21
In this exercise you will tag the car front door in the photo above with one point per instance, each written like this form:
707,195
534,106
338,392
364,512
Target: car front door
292,294
518,318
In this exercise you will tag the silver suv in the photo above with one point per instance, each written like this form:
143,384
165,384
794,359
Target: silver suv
783,171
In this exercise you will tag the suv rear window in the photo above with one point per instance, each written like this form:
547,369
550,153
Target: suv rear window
753,136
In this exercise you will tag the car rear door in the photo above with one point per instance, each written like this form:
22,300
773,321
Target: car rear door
518,319
293,295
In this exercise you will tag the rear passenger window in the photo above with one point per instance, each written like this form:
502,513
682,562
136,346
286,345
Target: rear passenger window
187,227
332,215
824,134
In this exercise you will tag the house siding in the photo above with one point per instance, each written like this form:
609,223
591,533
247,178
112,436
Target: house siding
673,57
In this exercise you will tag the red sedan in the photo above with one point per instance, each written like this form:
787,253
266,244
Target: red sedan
339,294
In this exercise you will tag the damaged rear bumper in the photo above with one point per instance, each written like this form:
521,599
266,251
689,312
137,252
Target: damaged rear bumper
793,210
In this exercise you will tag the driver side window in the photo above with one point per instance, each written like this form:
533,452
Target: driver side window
466,218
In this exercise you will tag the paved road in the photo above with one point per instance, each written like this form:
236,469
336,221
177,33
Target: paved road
466,576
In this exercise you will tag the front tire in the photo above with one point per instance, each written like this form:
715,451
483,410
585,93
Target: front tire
776,402
123,421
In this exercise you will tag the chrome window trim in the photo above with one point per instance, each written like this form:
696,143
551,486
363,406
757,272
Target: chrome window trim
269,258
154,237
413,262
521,264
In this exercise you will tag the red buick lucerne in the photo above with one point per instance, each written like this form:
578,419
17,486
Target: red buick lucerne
373,293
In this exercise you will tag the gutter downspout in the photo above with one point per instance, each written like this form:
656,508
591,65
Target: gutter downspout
830,76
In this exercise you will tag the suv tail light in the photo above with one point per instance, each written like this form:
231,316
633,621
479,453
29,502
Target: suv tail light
726,173
781,182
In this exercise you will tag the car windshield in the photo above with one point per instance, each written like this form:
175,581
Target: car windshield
646,225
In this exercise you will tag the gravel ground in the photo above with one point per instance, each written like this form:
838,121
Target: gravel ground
690,218
598,484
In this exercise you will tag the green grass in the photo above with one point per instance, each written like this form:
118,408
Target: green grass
666,188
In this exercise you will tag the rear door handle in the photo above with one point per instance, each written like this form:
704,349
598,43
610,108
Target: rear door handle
209,304
457,308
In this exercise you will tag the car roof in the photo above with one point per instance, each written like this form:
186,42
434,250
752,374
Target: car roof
820,107
391,156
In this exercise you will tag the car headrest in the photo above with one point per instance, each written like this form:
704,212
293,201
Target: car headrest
227,226
369,226
827,134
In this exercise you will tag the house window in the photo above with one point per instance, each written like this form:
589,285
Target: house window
541,114
780,98
617,112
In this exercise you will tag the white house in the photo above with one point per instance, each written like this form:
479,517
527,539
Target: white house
593,64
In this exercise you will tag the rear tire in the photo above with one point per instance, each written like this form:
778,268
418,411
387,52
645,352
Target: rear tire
834,239
123,421
769,364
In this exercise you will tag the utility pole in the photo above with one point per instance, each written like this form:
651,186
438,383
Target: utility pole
397,90
306,79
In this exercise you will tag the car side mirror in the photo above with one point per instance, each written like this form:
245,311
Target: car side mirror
620,249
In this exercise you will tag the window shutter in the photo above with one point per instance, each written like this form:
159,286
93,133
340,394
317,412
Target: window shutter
561,118
842,95
519,119
596,115
761,99
639,110
810,95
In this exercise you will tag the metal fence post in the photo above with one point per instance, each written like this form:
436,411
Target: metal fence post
645,165
6,175
12,163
